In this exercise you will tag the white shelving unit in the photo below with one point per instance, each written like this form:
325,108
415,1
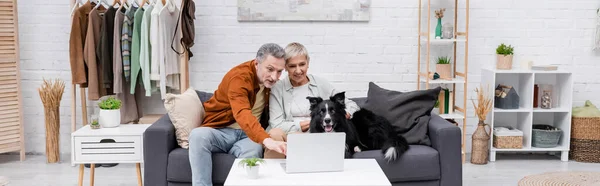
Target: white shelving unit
526,115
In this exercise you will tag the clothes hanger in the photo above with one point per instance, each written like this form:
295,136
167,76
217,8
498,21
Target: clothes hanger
115,2
75,6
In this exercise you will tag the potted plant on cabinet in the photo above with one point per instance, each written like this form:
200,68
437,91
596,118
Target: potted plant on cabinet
252,166
504,57
110,112
443,68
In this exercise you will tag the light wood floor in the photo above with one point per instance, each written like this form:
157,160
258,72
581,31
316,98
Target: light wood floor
507,170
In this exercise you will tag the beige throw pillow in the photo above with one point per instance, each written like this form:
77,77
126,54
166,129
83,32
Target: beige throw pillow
186,112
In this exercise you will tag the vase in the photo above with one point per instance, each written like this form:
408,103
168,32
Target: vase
109,118
444,70
438,29
504,62
480,145
447,31
252,171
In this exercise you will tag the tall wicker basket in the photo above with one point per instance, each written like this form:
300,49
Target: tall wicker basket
585,139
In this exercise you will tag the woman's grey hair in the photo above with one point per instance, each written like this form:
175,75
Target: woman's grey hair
295,49
269,49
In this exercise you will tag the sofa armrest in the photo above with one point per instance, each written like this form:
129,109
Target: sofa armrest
159,141
446,139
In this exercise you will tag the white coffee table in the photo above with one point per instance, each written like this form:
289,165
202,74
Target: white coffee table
357,172
127,148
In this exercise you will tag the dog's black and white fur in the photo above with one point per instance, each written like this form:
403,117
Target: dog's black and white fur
365,131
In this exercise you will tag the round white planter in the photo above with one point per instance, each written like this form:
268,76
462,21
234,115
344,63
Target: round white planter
252,172
109,118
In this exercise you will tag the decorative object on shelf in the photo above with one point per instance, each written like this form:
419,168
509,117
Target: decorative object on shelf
446,106
506,99
51,94
544,67
546,97
94,122
110,112
507,138
526,64
545,136
481,137
504,57
252,166
536,97
447,31
444,68
439,14
585,133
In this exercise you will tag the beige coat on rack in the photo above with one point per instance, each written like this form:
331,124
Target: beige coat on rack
184,81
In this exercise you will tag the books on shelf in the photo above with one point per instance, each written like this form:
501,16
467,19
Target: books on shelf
446,104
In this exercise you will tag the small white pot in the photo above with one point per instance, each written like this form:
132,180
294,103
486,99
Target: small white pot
109,118
252,172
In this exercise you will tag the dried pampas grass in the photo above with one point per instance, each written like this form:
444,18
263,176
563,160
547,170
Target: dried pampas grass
439,13
51,94
484,103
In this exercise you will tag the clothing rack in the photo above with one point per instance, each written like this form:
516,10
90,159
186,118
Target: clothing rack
184,77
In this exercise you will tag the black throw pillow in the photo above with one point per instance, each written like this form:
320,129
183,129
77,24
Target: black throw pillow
409,112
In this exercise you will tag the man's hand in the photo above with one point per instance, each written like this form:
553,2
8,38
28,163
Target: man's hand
305,125
347,115
277,146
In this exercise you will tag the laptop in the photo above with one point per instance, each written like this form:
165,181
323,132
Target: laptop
315,152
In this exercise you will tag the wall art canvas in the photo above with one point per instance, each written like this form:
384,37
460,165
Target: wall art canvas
304,10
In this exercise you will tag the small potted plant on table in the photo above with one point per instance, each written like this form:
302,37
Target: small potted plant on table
252,166
110,112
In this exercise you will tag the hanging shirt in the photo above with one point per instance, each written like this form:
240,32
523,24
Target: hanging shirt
117,55
156,50
135,48
126,34
92,39
145,49
105,50
77,41
169,64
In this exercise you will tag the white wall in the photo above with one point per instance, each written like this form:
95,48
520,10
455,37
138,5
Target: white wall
556,32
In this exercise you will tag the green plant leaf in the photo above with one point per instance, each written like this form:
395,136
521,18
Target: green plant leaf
251,162
443,60
503,49
110,103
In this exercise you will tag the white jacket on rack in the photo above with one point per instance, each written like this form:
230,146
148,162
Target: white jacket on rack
169,64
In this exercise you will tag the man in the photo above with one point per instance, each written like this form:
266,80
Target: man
231,123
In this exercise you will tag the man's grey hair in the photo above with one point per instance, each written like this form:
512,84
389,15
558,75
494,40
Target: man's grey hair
269,49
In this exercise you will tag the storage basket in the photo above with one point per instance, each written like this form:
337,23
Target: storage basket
505,138
545,136
585,139
506,97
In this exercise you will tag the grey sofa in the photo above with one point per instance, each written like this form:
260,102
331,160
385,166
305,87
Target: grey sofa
165,163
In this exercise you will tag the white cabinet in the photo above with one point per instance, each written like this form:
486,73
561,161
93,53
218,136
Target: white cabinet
527,115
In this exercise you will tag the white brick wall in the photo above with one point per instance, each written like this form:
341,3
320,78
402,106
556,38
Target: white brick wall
556,32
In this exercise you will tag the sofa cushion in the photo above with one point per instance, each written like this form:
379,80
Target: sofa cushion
419,163
179,169
186,113
204,96
409,112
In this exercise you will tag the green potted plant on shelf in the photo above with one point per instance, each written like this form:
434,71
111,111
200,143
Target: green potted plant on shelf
110,112
504,57
443,67
252,166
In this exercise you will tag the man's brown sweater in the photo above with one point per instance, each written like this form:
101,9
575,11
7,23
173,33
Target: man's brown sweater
233,101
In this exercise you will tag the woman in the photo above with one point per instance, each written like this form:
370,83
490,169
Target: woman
289,110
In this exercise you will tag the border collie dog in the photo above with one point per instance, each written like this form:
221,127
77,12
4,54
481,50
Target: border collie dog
365,131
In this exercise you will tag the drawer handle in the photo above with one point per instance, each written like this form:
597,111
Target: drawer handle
107,141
